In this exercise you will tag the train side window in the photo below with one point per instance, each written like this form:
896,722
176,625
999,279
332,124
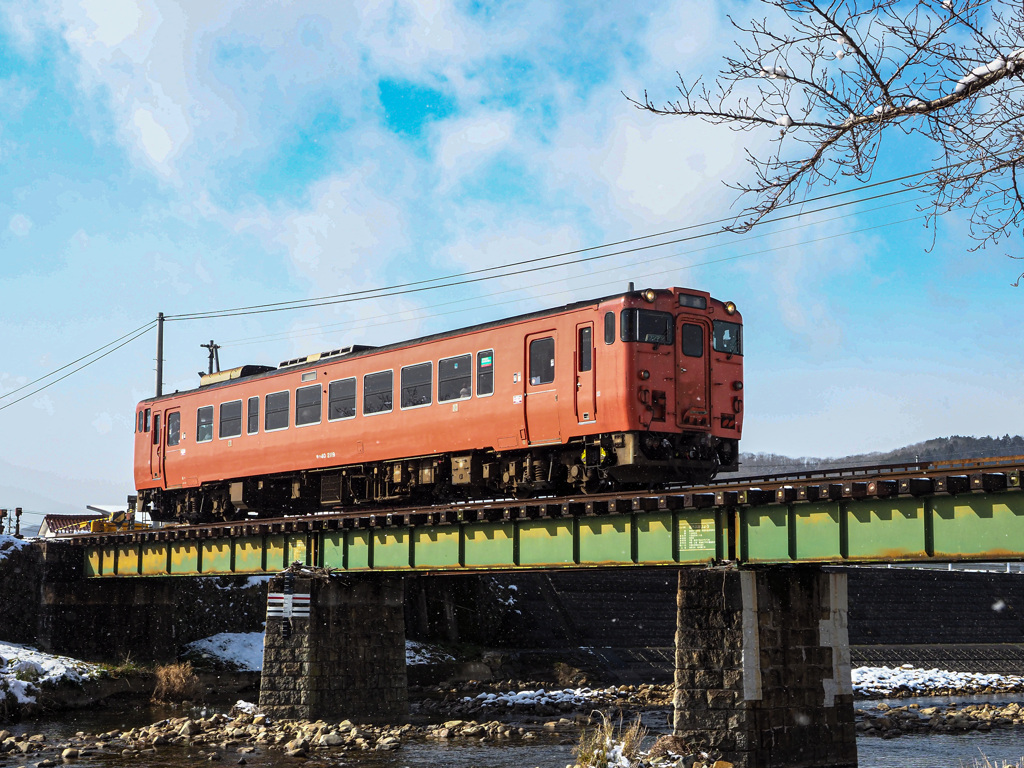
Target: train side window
156,429
204,424
609,327
308,404
416,385
378,392
275,411
542,360
485,373
341,399
693,340
586,347
253,416
148,411
454,378
174,428
230,419
141,422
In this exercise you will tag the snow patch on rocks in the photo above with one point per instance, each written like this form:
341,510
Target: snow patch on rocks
241,650
421,653
24,670
9,544
907,679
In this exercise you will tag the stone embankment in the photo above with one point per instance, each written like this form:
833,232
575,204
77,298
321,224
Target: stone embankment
890,722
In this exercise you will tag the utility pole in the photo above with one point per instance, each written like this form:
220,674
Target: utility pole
214,355
159,354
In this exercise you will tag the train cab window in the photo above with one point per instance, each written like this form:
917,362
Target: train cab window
148,412
454,378
204,424
141,427
341,399
174,428
727,337
378,392
230,419
542,361
252,416
646,325
693,340
585,361
485,373
609,327
416,385
156,429
275,411
308,404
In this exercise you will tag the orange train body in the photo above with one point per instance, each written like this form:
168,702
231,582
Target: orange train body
638,388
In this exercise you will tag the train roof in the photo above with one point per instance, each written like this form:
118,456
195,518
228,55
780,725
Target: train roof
357,351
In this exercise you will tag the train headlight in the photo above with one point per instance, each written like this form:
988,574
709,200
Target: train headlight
644,375
737,385
649,295
730,308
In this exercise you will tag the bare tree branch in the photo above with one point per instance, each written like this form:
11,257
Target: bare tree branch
829,78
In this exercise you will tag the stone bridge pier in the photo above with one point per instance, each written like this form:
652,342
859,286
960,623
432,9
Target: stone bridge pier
335,647
763,666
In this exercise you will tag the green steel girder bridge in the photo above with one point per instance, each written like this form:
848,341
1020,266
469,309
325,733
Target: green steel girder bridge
959,511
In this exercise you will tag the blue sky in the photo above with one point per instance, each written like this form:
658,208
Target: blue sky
190,156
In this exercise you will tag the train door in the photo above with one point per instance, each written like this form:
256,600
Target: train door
692,373
172,449
156,448
586,401
541,389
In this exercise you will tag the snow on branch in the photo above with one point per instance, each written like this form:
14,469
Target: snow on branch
828,80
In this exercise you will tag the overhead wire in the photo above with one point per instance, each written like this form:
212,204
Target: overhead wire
358,296
312,332
142,331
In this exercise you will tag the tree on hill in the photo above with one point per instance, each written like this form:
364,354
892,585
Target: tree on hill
830,79
937,449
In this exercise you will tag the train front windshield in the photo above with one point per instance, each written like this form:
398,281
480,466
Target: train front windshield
727,337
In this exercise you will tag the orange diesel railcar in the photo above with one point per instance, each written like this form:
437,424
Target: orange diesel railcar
639,388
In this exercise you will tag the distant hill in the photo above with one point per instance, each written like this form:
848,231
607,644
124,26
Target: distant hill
937,449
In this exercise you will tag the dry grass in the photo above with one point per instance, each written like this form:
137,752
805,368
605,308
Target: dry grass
177,682
598,744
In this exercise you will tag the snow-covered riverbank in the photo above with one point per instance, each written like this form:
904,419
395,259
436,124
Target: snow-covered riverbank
25,672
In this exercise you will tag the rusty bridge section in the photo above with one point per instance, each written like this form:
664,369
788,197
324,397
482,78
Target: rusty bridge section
952,511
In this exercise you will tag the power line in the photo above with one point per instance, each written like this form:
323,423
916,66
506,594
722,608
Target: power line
419,288
284,335
422,285
144,330
73,362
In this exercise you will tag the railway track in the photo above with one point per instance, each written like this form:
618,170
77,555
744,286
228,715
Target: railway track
880,481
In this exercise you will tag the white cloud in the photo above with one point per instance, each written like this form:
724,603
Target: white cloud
464,144
20,225
44,403
103,423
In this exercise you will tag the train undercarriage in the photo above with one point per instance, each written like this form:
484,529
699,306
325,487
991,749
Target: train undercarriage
588,465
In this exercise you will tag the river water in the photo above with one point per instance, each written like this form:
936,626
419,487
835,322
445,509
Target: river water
548,751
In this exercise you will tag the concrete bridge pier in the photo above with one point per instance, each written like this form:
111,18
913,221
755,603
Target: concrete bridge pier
335,648
763,666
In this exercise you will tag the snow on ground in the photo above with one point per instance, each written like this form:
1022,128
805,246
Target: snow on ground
244,650
576,696
884,681
252,581
241,650
421,653
23,670
8,544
